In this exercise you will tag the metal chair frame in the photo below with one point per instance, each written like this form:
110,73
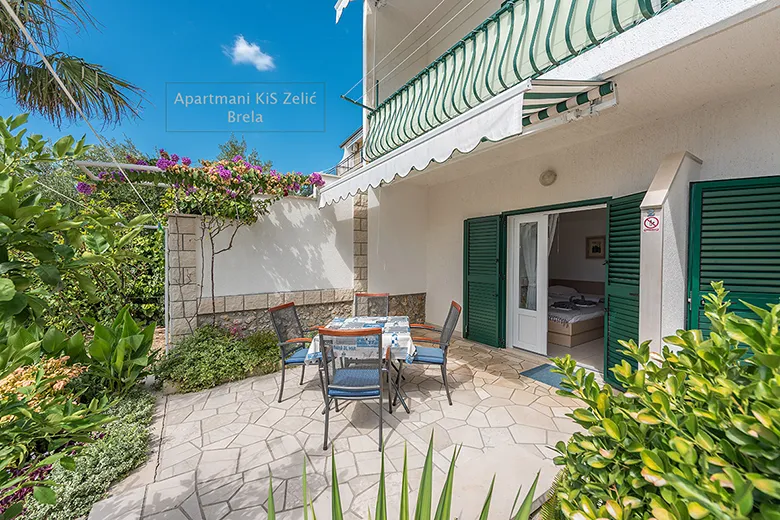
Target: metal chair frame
326,344
445,336
290,345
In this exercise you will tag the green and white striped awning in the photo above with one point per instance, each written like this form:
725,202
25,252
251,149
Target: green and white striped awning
528,107
548,98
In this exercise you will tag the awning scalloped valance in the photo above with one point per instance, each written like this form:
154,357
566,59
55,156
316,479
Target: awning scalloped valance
501,117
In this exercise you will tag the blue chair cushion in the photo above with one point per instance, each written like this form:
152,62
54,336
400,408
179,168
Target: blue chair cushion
430,355
354,377
298,358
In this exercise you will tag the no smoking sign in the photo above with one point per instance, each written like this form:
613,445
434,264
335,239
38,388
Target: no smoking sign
651,222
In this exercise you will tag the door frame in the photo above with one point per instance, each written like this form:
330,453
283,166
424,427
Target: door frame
502,317
564,207
694,233
542,274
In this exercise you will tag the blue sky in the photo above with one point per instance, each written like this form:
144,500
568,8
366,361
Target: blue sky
150,43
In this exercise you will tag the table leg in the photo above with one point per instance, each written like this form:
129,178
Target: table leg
399,393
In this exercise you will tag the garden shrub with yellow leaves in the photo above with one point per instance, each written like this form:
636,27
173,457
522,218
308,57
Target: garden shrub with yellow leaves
696,433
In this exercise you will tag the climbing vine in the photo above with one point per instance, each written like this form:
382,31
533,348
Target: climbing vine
226,194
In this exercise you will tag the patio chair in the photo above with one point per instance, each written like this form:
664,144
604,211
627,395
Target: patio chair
351,382
293,345
437,355
372,304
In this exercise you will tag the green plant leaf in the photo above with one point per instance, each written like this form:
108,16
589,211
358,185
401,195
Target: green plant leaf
652,461
381,498
44,495
7,290
767,486
524,513
49,274
404,510
445,499
13,511
612,429
68,463
422,510
270,505
485,513
336,510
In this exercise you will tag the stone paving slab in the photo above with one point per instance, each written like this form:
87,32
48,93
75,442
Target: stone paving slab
220,449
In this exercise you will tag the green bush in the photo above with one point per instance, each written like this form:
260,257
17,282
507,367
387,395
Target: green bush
140,286
212,356
121,353
123,448
695,435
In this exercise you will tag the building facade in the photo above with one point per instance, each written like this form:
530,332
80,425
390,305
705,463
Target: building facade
520,155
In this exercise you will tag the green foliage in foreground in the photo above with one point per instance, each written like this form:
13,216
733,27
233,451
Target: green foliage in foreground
425,495
124,447
212,356
695,435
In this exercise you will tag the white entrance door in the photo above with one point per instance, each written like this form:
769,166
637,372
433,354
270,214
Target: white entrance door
527,283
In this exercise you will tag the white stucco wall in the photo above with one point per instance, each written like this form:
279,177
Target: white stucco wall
567,258
397,248
296,247
734,137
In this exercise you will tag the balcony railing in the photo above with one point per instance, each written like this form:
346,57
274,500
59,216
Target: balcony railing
521,41
346,165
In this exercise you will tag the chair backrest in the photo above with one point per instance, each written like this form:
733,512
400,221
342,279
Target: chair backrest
449,325
372,304
371,341
285,321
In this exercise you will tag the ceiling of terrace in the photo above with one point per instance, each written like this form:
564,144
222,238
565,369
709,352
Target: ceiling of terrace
447,23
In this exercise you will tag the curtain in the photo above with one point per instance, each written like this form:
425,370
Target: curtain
552,227
528,256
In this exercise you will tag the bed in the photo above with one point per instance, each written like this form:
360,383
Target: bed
580,323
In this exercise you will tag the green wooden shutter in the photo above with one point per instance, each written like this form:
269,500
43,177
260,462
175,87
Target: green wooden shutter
622,287
482,280
735,238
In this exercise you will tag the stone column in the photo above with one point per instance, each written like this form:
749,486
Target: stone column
183,290
360,242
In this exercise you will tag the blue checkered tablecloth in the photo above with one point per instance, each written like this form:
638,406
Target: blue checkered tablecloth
396,336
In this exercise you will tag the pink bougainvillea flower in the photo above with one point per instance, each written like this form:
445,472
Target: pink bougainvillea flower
237,158
186,161
85,188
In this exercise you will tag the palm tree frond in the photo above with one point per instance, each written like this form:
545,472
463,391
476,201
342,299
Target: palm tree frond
43,19
99,94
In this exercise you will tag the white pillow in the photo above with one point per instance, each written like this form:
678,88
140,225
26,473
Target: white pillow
562,290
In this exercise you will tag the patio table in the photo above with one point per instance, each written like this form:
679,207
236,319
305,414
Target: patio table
396,337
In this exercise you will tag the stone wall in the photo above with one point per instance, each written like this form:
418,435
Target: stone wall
412,305
360,242
183,288
249,312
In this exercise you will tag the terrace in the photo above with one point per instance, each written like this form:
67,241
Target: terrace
218,448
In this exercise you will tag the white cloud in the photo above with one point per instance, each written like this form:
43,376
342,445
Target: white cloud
244,52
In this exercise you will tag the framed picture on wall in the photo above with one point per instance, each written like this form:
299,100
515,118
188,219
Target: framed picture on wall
596,247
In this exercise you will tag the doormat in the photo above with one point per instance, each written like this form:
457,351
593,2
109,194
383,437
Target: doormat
544,374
